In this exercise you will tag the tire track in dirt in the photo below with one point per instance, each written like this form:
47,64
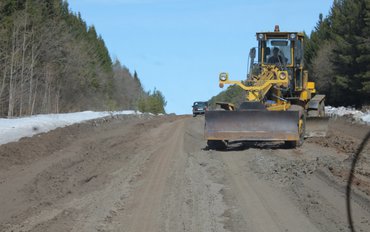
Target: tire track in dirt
126,180
263,207
94,173
144,202
296,174
194,200
176,190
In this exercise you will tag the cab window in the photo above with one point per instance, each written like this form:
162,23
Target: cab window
277,49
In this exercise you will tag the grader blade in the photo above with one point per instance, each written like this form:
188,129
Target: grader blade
252,125
316,126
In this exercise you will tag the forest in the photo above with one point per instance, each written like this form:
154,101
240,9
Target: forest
52,62
337,56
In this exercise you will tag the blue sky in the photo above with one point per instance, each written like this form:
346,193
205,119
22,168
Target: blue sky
180,46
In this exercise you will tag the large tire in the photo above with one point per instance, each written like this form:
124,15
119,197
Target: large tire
302,131
321,109
302,128
216,144
319,112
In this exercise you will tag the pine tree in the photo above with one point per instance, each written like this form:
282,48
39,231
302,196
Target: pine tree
363,47
153,103
51,61
344,33
322,32
348,23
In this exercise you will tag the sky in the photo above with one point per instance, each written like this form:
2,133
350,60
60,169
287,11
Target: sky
12,130
180,46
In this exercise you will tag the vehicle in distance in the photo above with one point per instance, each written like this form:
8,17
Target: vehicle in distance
199,107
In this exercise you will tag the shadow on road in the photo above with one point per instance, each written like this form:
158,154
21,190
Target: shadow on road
242,146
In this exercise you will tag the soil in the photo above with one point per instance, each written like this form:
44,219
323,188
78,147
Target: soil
146,173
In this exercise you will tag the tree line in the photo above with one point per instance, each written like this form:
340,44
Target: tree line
338,53
337,56
51,62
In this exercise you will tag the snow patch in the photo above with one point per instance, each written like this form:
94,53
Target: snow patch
12,130
359,116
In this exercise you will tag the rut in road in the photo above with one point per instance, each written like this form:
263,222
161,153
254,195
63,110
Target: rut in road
173,193
147,198
264,208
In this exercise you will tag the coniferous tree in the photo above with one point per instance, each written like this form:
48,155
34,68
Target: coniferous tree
51,61
343,38
153,103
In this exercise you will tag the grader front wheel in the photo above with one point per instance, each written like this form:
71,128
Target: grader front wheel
301,132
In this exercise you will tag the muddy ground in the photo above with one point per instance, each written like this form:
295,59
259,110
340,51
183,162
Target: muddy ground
145,173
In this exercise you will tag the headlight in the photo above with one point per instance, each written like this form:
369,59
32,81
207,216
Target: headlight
282,75
223,76
260,36
292,36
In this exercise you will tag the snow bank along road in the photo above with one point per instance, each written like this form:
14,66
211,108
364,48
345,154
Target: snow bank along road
145,173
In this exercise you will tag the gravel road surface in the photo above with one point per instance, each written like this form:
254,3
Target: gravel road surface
146,173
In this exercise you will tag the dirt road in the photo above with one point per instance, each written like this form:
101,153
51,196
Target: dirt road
149,173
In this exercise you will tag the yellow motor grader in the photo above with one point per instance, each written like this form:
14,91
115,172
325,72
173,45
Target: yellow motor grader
281,104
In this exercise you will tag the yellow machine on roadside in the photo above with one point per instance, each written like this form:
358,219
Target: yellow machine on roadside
279,98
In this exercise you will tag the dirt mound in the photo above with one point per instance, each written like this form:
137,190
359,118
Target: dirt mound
29,149
343,135
346,136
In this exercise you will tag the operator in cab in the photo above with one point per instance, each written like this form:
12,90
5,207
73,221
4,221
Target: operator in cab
276,58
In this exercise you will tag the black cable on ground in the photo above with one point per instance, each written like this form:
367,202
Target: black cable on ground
350,179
